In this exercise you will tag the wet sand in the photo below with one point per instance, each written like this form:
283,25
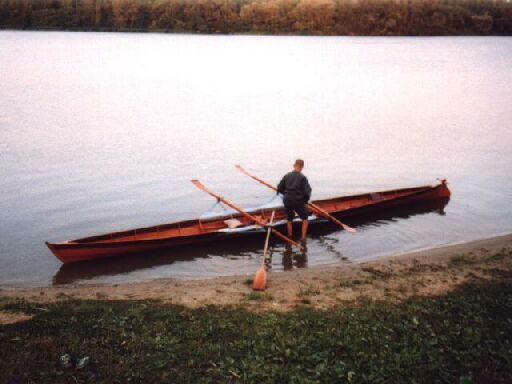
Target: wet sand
424,273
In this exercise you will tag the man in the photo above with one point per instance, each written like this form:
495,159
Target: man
296,191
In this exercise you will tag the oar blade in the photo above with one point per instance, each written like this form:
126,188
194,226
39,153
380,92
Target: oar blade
202,187
325,214
349,229
197,183
241,169
260,279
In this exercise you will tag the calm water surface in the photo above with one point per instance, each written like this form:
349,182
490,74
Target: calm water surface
101,132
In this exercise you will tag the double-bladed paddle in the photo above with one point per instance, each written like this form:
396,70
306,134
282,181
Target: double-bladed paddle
313,206
199,185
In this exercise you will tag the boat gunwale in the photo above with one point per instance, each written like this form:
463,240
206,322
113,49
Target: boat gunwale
99,240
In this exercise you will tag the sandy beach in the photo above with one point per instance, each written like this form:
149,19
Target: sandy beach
424,273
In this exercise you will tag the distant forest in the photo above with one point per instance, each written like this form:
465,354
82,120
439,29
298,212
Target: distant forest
307,17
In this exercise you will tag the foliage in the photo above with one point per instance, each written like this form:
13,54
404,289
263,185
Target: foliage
318,17
463,337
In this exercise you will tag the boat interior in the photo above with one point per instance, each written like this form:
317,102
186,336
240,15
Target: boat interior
221,223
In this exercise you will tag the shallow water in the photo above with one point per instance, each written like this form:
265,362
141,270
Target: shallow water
103,131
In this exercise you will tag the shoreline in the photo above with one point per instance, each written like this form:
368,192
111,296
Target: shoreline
434,248
427,272
253,33
91,282
454,317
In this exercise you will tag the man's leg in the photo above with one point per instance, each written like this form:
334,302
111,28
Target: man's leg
304,229
303,214
290,213
289,226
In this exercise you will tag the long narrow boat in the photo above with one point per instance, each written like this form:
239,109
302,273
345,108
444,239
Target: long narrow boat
188,232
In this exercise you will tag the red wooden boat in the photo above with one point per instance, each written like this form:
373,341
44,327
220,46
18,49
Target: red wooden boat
195,231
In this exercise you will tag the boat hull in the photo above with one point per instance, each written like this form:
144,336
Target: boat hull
146,239
71,252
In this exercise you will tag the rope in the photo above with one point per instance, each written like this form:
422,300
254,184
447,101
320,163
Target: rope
217,202
210,211
268,203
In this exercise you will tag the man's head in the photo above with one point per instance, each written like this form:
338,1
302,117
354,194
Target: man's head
298,165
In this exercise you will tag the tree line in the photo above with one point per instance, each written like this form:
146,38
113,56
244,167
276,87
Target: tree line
308,17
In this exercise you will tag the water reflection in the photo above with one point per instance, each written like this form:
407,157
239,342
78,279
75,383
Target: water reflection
87,270
293,259
238,248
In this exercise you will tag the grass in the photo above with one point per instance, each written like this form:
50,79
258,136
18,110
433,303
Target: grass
377,274
500,255
462,260
259,296
256,296
309,291
462,337
344,283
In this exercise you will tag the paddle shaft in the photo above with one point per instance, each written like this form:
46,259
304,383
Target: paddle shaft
268,238
314,207
332,218
199,185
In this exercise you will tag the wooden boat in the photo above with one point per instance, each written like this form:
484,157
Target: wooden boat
214,228
123,264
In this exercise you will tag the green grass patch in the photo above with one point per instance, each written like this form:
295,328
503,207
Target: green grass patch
309,291
377,274
259,296
462,260
256,296
500,255
462,337
344,283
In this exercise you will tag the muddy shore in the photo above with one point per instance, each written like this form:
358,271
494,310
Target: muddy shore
424,273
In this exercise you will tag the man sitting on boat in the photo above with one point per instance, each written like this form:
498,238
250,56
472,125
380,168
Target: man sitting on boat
296,191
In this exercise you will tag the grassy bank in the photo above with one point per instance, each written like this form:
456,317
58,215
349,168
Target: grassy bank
462,337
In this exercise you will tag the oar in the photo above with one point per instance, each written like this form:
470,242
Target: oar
199,185
332,218
313,206
260,278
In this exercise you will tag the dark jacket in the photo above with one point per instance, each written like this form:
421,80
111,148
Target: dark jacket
295,188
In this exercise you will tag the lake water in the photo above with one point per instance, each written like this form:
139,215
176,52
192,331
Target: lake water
103,131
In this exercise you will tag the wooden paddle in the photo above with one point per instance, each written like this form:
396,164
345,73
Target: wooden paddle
199,185
260,278
313,206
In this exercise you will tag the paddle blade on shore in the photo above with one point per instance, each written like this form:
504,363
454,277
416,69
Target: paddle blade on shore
260,279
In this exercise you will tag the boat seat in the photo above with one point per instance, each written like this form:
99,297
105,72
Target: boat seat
233,223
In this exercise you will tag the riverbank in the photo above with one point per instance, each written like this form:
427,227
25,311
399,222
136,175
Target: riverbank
460,337
438,315
426,273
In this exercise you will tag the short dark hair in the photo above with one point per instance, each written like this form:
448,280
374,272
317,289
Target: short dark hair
300,163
